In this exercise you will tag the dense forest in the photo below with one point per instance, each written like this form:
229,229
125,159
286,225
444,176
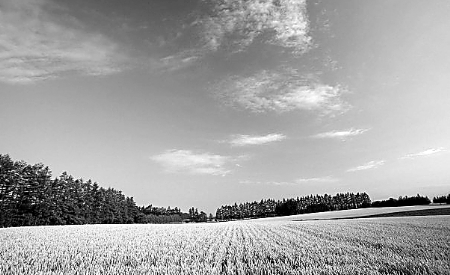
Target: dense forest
402,201
299,205
30,196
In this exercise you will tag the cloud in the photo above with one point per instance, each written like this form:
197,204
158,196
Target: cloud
251,182
243,140
327,179
370,165
178,61
195,163
282,90
237,23
425,153
36,44
341,134
233,25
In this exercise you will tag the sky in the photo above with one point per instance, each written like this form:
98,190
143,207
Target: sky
204,103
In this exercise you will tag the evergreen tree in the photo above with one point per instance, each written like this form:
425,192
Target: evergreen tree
28,196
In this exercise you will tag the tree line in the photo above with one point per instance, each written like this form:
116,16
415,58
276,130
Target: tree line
442,199
30,196
292,206
402,201
316,203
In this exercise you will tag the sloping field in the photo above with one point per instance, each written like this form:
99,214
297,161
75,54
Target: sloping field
354,213
407,245
413,213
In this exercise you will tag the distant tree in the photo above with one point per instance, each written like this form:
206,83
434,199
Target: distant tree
402,201
440,199
202,217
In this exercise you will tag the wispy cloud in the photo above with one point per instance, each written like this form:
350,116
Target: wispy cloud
327,179
37,44
370,165
237,23
232,26
178,61
282,90
243,140
341,134
195,163
252,182
428,152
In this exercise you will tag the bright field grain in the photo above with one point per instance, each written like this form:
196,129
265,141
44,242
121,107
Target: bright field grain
418,245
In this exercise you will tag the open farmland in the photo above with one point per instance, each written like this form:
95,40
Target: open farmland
409,245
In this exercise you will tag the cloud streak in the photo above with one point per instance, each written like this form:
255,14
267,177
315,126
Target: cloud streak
186,161
244,140
327,179
425,153
370,165
341,134
297,182
281,91
38,45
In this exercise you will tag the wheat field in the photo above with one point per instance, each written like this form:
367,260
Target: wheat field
410,245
